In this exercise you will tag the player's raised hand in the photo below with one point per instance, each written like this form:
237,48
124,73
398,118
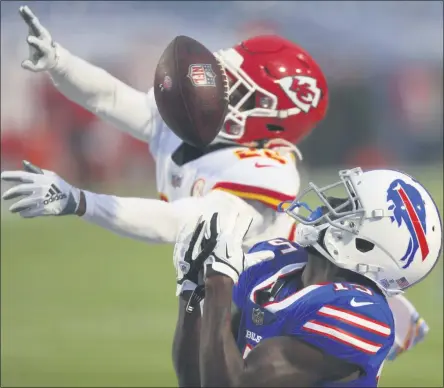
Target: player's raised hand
42,50
43,193
228,257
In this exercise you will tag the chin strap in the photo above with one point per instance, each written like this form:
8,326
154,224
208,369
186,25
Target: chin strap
306,235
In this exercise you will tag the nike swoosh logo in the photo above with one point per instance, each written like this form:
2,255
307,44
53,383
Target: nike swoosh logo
258,165
227,254
353,303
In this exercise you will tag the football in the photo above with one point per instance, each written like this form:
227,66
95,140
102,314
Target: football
191,91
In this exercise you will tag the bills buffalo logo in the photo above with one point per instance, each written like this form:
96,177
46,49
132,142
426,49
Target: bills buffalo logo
302,90
408,209
202,75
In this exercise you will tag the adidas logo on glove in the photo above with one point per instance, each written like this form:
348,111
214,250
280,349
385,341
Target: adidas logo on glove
54,194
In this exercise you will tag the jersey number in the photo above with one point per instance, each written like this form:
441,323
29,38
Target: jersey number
257,153
341,287
286,246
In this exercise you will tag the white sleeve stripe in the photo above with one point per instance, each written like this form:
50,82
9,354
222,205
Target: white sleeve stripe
269,281
278,306
355,320
341,336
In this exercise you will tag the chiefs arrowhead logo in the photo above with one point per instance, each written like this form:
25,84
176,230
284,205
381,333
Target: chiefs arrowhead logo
302,90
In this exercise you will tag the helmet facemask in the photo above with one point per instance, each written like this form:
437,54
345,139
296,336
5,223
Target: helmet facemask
243,94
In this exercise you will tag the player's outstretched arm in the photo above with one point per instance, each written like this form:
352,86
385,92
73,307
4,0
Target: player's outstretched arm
93,88
43,193
39,192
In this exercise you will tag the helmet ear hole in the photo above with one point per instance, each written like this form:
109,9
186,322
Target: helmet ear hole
275,128
363,245
238,94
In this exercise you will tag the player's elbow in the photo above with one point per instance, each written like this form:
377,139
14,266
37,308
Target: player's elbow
103,103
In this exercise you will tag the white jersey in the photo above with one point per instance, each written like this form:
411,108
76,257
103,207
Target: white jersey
262,178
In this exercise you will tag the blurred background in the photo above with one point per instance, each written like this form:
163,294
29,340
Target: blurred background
79,305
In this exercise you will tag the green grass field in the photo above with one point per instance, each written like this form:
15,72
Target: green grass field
83,307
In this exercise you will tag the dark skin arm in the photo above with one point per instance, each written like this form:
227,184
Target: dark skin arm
186,345
276,362
187,339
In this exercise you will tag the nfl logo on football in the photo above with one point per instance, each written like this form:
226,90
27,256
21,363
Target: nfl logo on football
167,83
202,75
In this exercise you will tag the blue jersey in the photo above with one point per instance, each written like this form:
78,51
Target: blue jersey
345,320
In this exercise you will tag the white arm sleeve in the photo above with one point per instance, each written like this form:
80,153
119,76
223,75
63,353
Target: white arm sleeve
98,91
156,221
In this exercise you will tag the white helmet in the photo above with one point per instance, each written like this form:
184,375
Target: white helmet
388,227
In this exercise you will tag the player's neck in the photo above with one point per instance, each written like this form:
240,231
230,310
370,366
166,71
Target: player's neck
319,270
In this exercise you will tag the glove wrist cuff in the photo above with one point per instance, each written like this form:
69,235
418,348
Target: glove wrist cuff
76,194
187,285
61,58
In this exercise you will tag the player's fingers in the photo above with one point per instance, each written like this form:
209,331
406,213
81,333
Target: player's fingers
212,229
207,219
19,190
29,167
23,204
37,44
31,20
17,176
210,237
196,236
26,14
31,212
198,240
28,65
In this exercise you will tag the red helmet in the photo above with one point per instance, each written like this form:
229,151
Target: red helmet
277,90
